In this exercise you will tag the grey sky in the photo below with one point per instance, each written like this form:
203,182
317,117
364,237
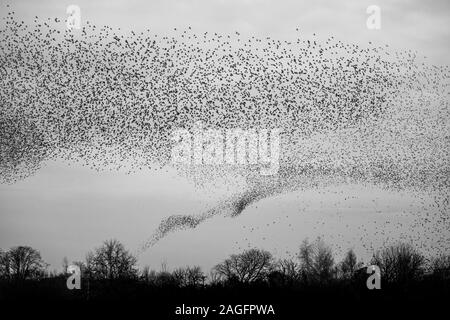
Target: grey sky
416,25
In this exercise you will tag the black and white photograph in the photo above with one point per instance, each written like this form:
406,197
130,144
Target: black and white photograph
224,159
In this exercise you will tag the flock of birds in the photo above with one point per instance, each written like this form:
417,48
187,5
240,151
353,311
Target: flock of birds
111,100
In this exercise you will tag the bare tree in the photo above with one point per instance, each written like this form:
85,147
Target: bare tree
4,265
148,275
440,266
324,262
195,276
189,276
180,275
399,263
349,265
23,262
145,274
165,279
286,272
214,277
440,263
289,268
306,257
249,266
316,261
111,261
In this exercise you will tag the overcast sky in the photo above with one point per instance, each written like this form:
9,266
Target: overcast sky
418,25
67,210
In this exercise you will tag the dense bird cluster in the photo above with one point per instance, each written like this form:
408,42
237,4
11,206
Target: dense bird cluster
110,99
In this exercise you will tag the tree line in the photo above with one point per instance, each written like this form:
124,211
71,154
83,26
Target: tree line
315,264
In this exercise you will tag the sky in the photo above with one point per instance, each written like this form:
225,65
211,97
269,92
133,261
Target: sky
65,210
415,24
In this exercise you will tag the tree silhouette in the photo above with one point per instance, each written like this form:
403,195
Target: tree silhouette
146,274
289,268
306,257
399,263
189,276
250,266
4,265
251,272
286,272
21,263
349,265
111,261
316,261
324,262
440,267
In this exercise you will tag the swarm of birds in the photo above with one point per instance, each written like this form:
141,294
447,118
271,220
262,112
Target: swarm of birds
111,100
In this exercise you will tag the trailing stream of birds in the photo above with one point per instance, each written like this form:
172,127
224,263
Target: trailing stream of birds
347,114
